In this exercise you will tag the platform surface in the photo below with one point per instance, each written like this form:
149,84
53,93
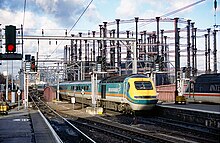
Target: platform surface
194,107
24,126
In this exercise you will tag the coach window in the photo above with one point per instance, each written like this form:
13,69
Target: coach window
87,87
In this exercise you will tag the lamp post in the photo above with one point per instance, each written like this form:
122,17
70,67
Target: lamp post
58,83
5,73
12,86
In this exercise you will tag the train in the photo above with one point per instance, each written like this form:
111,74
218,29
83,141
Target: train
204,88
120,93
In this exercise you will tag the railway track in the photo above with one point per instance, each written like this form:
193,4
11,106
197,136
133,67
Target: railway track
144,133
64,130
122,132
122,128
113,132
187,130
178,129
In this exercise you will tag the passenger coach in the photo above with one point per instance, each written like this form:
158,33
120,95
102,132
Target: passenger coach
204,88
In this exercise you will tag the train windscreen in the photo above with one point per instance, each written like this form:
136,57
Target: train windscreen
143,85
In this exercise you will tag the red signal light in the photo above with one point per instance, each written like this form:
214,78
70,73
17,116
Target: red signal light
10,48
33,66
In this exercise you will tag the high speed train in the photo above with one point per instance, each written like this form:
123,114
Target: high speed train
204,88
120,93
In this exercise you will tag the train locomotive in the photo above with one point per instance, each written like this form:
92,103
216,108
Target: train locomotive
119,93
204,88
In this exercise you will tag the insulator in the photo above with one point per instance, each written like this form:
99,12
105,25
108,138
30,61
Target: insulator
215,4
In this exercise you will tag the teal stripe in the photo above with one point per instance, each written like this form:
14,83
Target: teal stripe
136,101
152,101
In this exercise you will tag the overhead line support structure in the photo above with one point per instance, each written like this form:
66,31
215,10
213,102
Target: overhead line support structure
177,58
71,38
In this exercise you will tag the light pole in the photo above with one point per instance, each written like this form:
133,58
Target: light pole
58,84
12,86
5,73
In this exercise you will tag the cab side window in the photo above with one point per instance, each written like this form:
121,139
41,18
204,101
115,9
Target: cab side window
128,88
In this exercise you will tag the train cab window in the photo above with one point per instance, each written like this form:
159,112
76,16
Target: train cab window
61,88
143,85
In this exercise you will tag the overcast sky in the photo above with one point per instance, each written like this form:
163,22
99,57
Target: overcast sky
57,16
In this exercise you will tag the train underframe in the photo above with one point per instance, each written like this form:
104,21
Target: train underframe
116,106
105,104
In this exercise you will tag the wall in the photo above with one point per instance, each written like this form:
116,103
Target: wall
166,92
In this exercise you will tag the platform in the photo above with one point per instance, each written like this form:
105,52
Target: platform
207,108
202,114
24,126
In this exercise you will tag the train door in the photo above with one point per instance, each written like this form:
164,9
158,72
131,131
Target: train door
192,88
103,91
126,89
189,92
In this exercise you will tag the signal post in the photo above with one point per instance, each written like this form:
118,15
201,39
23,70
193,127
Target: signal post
10,52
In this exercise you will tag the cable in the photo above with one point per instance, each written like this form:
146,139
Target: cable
180,9
24,12
72,26
80,16
175,11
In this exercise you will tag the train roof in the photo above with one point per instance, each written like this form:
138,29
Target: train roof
75,82
208,78
117,79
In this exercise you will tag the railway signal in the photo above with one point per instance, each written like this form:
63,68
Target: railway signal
10,39
33,67
10,45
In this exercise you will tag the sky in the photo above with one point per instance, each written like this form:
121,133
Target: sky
57,16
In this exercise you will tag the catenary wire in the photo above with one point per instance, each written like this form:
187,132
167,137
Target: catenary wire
25,3
72,27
